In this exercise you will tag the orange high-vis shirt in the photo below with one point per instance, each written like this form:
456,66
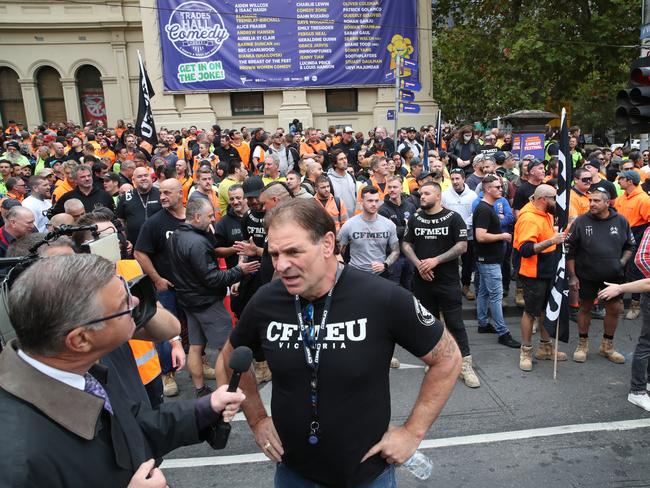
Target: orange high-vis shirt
635,207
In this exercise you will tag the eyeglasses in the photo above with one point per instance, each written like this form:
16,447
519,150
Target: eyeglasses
585,180
129,305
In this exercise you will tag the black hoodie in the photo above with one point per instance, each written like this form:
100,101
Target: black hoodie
398,215
597,245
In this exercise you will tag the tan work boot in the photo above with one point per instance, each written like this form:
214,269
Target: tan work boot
519,297
607,350
208,372
634,311
467,373
394,363
545,350
580,354
262,372
170,388
526,358
468,293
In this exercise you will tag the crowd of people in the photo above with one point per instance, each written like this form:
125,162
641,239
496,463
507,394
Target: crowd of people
214,216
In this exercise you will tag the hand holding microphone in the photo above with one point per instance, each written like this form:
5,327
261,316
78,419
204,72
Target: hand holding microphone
228,399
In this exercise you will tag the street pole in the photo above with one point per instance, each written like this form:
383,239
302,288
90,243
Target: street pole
398,61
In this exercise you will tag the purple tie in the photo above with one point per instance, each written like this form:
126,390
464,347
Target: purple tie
94,387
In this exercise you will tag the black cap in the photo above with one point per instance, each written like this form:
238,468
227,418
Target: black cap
423,175
252,186
411,129
13,144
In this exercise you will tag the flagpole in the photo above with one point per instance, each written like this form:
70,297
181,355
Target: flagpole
557,323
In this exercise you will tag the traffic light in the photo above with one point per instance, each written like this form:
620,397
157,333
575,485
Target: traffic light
633,110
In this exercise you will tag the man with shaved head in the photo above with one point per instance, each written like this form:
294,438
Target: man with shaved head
536,240
58,220
138,204
152,253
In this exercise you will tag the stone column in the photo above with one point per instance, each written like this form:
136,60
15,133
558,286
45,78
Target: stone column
295,106
71,100
122,76
31,102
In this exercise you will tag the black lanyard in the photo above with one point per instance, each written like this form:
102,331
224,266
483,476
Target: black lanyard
312,338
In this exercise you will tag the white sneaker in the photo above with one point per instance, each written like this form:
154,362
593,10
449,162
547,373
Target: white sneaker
642,401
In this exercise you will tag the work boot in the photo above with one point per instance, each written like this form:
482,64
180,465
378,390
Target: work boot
467,293
507,340
526,358
262,372
467,373
634,311
545,350
607,350
486,329
394,363
205,390
170,388
580,354
208,372
519,297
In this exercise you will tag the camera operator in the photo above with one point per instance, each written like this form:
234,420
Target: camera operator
97,415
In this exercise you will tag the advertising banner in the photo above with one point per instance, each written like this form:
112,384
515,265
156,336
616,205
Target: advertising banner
523,144
93,106
250,45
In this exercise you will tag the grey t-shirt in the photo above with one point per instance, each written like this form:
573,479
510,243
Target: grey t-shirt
369,240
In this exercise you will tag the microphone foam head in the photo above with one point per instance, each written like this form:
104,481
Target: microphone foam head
241,359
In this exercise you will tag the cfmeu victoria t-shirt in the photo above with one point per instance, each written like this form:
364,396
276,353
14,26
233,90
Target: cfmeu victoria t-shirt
153,240
432,235
353,379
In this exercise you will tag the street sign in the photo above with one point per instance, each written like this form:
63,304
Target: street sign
409,108
412,65
410,85
407,95
390,115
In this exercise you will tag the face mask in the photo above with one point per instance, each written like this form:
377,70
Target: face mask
467,137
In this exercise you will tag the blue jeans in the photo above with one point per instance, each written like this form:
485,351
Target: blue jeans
641,357
285,478
490,296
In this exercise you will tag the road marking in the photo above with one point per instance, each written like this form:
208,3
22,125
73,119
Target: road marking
437,443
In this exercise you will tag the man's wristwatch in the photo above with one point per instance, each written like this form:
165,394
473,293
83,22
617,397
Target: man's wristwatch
175,339
385,266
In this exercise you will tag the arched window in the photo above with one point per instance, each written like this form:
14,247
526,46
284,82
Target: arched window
50,93
11,97
91,94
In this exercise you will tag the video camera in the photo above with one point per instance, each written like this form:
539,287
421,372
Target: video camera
106,246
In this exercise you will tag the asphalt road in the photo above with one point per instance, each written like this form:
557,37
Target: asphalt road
517,430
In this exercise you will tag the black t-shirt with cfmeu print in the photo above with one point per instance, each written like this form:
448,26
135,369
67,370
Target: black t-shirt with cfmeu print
432,235
367,317
253,226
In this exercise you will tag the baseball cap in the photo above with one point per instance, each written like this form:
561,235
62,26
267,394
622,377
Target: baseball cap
8,203
423,175
13,144
593,162
252,186
411,129
534,162
348,129
631,175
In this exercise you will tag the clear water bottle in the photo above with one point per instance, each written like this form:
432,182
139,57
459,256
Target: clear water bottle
419,465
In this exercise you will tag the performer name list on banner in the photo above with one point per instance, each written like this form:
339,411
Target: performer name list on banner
259,45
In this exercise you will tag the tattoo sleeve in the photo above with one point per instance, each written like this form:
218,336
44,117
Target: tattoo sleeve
457,250
394,254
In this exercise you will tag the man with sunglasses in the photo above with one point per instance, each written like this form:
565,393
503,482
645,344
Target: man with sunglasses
53,389
536,240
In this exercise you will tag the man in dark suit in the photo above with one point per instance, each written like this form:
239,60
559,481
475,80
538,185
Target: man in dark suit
68,421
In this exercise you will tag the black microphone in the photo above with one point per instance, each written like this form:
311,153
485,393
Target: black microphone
240,362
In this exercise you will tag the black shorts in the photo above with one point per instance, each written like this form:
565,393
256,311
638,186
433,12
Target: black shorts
589,289
537,291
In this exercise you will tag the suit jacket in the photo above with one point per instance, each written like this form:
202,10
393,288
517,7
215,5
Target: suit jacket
55,435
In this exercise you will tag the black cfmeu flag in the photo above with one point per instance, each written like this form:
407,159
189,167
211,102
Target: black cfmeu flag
557,308
144,126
